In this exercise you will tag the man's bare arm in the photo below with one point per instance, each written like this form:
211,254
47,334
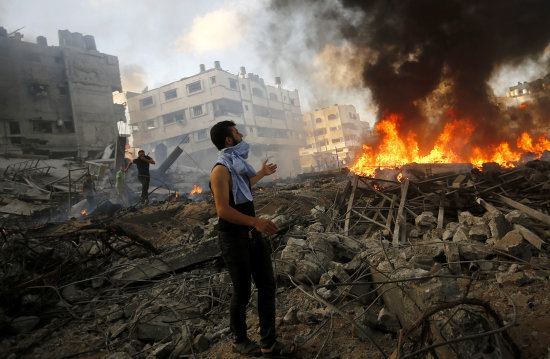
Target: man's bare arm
220,180
267,170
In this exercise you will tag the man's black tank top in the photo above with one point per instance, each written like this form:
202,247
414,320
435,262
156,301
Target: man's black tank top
245,208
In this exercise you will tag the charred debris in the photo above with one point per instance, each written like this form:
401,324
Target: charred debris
449,262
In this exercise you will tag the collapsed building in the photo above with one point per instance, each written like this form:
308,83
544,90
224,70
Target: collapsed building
57,100
181,114
331,135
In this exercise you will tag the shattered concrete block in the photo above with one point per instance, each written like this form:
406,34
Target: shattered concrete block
453,258
517,217
153,331
472,251
72,294
517,279
514,244
308,272
415,233
388,321
316,227
448,235
498,225
308,317
421,261
452,226
461,234
317,210
201,343
24,324
344,248
426,219
479,232
291,315
466,218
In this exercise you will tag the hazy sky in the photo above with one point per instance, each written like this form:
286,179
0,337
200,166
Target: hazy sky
161,41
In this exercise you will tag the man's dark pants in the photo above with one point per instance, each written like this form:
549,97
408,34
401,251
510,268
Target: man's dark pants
247,257
144,179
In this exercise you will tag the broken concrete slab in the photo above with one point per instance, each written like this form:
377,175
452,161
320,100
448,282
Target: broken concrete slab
176,260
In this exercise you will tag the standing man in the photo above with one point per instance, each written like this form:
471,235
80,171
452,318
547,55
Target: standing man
246,253
88,191
142,162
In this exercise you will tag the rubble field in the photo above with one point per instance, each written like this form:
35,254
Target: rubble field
447,263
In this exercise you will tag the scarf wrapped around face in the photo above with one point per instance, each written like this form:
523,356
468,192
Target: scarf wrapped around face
234,158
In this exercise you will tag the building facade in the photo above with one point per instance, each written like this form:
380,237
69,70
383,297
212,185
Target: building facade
332,135
181,114
57,100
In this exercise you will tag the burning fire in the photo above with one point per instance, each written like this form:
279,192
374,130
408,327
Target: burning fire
83,212
196,189
395,151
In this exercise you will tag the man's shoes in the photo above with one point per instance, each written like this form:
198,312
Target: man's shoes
247,348
279,350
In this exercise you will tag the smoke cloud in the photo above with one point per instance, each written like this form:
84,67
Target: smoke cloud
407,49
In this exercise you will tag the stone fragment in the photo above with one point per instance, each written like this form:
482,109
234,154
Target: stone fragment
517,217
461,234
388,321
291,315
201,343
308,272
72,294
24,324
308,317
513,244
426,219
479,232
453,258
498,225
421,261
316,227
465,217
153,331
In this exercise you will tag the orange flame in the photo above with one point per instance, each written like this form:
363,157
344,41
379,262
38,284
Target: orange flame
83,212
395,151
196,189
523,105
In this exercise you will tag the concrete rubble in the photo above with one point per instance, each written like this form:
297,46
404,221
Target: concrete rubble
452,265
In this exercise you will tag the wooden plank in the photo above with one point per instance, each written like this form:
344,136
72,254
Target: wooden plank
527,210
530,236
390,213
370,220
399,221
350,203
441,213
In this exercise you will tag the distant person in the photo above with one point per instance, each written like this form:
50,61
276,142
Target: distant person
245,252
120,185
88,191
142,162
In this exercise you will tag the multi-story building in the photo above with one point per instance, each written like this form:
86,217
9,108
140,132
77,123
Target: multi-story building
57,100
332,135
182,113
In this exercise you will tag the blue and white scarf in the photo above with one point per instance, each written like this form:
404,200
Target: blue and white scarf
234,159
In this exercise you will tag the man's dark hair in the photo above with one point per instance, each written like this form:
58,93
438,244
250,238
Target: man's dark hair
220,131
141,151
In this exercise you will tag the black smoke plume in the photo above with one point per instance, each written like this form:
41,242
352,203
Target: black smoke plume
417,44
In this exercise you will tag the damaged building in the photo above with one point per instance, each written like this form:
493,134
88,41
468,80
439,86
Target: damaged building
57,100
332,135
182,113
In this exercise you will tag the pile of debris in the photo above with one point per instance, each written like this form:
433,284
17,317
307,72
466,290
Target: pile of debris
447,265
